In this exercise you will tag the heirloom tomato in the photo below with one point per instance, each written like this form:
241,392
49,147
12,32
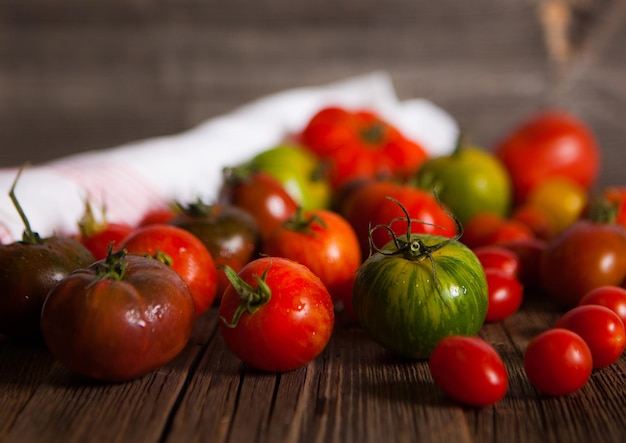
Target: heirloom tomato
558,362
324,242
549,144
184,253
469,181
29,268
602,330
229,233
612,297
97,236
258,193
469,370
300,172
418,289
584,256
276,315
119,319
360,144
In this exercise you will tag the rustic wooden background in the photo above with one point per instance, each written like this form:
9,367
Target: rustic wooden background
78,75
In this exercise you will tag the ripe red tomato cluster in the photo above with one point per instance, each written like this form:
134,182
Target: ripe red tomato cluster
279,272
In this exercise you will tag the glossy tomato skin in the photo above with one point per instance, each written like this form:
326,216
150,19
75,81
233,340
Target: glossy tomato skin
28,270
506,294
184,253
602,330
110,234
584,256
405,307
229,233
324,242
260,194
469,370
113,329
612,297
291,329
499,257
558,362
556,144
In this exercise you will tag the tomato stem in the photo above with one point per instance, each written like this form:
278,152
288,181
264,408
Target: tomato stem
252,298
113,267
297,222
28,236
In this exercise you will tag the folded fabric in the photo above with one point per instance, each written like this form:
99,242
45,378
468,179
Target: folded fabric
131,179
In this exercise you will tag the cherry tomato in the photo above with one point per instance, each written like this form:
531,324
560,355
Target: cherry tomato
277,315
505,295
584,256
97,236
360,144
478,229
325,242
229,233
602,330
556,144
260,194
537,219
184,253
529,252
498,257
469,370
160,215
558,362
561,199
613,297
119,319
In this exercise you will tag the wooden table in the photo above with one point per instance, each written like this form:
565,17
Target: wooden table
78,75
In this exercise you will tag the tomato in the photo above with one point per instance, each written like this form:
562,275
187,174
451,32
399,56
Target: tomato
230,234
602,330
97,236
561,199
29,268
469,370
556,144
371,204
360,144
325,242
119,319
505,295
612,297
498,257
469,181
615,196
276,314
299,171
488,228
260,194
418,289
558,362
184,253
158,215
584,256
529,252
540,222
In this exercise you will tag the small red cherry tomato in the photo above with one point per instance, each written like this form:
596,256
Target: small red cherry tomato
184,253
498,257
602,330
558,362
613,297
469,370
505,295
276,314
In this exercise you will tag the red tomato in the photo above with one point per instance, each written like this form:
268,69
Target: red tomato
325,242
498,257
260,194
613,297
369,206
537,219
97,236
360,144
479,228
157,216
602,330
584,256
505,295
119,319
558,362
556,144
469,370
184,253
276,314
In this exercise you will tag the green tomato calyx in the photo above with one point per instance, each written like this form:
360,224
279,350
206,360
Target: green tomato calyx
252,298
113,267
299,222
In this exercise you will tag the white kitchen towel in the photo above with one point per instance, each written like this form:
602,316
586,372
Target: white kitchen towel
131,179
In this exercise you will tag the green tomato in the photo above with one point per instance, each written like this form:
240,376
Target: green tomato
299,171
413,292
469,181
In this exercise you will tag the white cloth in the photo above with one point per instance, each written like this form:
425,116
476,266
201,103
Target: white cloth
130,179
